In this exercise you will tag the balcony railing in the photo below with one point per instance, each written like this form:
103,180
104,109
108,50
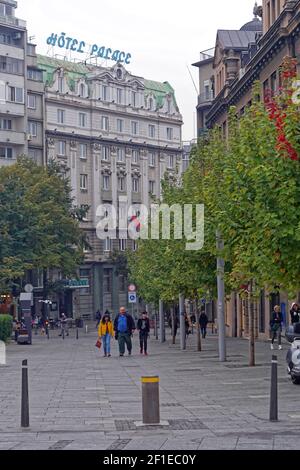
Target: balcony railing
205,97
11,20
208,54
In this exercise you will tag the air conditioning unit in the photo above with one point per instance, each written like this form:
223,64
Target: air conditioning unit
29,137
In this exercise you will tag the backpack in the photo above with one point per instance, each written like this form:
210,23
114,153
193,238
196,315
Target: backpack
122,324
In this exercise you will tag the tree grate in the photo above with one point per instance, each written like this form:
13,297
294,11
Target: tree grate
119,444
60,445
174,424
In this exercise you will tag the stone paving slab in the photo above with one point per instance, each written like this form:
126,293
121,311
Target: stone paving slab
77,403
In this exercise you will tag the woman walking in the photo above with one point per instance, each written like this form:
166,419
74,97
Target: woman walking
276,327
105,332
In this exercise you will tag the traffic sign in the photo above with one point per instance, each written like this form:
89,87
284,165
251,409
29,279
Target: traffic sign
28,288
132,288
132,297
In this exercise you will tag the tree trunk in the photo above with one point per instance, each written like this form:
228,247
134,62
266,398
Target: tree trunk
173,325
251,327
45,294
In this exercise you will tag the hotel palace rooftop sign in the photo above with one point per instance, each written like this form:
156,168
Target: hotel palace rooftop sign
74,45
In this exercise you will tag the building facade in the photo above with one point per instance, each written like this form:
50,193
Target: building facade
117,135
242,57
21,91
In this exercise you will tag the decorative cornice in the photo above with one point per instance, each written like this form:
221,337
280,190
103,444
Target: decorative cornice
106,170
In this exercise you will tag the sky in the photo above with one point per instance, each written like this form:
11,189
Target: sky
164,37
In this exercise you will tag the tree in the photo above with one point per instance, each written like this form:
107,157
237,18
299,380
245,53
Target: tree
39,226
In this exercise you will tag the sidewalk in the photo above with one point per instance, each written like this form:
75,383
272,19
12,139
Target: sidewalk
80,400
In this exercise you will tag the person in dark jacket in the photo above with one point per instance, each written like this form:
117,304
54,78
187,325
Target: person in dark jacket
124,326
295,313
203,321
98,317
276,328
143,326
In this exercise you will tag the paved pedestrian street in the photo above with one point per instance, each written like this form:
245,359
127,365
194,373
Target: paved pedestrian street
81,400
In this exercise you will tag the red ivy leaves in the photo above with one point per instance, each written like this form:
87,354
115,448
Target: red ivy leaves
276,112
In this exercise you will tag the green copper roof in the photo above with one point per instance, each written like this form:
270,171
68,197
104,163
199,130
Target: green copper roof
75,71
159,90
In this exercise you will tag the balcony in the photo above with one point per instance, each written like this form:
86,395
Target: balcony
7,161
205,98
12,21
12,138
208,54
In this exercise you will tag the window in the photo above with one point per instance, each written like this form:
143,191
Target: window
106,182
171,161
134,127
135,156
152,187
120,155
134,99
151,131
82,119
31,49
151,159
119,96
61,148
122,244
107,274
104,123
207,92
83,151
10,65
36,75
121,183
151,104
107,248
122,283
31,101
16,95
266,88
105,93
5,38
6,124
274,82
82,91
5,10
33,154
185,161
135,185
85,208
120,125
169,106
83,182
60,84
32,128
169,133
60,116
6,152
105,153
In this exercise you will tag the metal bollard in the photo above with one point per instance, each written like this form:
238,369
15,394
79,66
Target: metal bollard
25,396
150,400
48,333
274,391
63,333
77,334
86,329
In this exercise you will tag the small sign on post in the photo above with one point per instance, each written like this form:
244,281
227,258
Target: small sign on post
132,297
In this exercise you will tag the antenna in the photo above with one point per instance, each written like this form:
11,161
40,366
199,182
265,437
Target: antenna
192,78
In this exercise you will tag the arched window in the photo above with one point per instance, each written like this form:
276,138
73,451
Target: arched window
151,104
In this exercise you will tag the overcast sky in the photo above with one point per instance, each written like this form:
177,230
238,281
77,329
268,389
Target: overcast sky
163,36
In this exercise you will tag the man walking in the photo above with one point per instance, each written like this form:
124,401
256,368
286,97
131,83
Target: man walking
203,320
124,326
143,327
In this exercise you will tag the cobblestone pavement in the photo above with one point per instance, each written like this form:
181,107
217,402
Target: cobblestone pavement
81,400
